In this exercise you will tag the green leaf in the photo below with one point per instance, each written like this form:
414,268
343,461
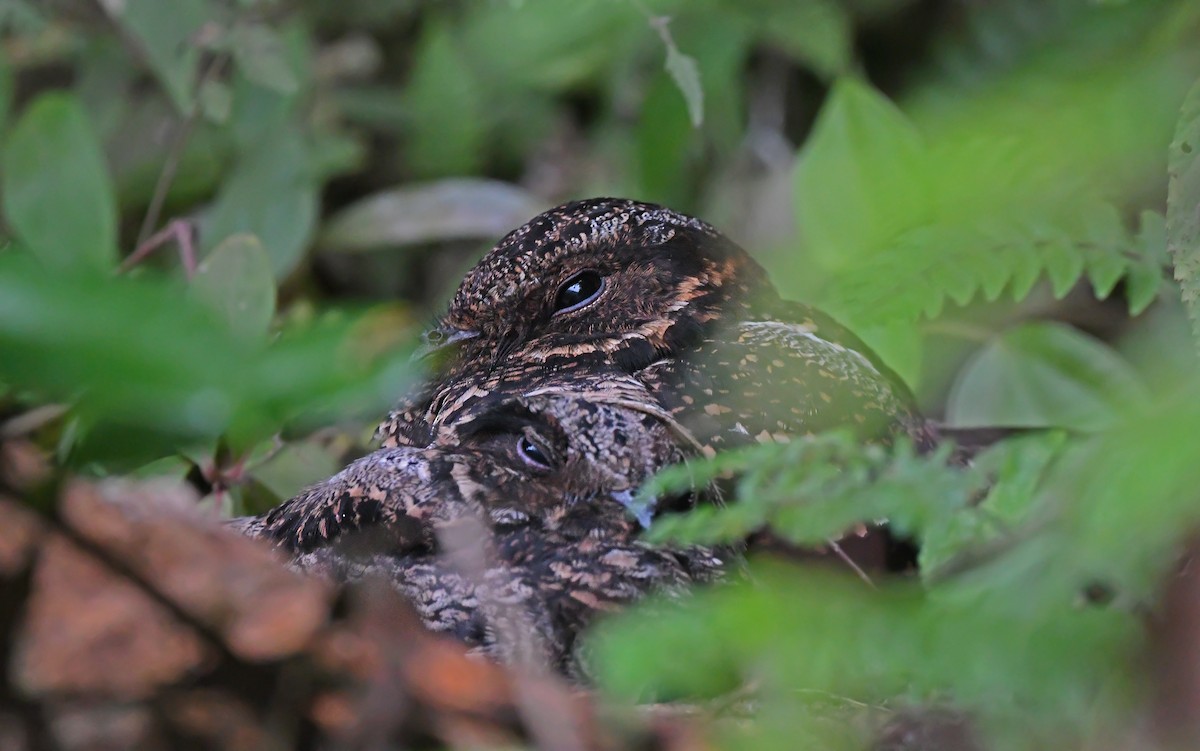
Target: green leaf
164,32
294,467
796,633
1146,277
684,72
898,343
816,32
1044,374
216,101
57,192
261,56
1183,206
1016,468
6,95
451,209
859,183
548,45
272,195
448,113
1064,264
21,18
236,281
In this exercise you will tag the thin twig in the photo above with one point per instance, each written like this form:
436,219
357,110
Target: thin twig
182,231
837,550
175,154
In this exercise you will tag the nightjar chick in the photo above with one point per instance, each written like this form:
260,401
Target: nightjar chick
513,534
615,288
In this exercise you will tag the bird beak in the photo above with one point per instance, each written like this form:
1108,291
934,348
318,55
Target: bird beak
439,339
641,508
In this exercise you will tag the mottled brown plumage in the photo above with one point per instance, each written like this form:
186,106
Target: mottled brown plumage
511,533
610,288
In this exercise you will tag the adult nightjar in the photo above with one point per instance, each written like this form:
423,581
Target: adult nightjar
616,286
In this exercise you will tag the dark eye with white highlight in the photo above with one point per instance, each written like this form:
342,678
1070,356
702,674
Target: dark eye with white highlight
532,454
578,291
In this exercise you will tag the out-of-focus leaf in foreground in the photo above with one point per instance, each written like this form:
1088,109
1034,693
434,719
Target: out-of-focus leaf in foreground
816,488
805,632
141,356
1110,514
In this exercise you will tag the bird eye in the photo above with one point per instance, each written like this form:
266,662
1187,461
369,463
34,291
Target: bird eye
578,291
435,336
532,454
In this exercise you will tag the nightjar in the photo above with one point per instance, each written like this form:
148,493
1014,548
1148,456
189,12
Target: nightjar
512,534
613,287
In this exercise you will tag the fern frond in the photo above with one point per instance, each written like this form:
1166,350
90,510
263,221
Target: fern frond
932,264
817,488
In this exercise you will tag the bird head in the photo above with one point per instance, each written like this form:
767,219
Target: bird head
626,280
566,462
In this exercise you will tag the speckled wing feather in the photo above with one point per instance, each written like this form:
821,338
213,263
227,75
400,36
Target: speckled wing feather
393,491
770,381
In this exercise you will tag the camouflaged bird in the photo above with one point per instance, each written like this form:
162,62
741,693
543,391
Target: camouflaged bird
613,288
512,535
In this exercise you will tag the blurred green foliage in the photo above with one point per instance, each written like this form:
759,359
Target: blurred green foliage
882,157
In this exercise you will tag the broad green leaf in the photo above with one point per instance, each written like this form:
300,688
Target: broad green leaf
859,183
1044,374
448,110
216,101
451,209
899,344
1183,206
260,113
261,56
294,467
549,45
685,73
272,195
22,18
6,95
671,154
57,192
816,32
666,146
236,281
164,34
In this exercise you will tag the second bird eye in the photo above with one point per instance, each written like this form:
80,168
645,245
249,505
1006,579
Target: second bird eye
578,291
532,454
